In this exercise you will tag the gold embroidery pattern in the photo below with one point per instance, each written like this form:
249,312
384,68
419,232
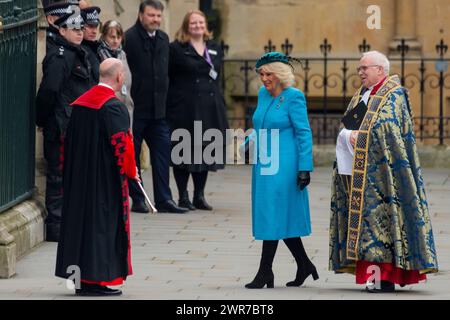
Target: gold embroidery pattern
359,171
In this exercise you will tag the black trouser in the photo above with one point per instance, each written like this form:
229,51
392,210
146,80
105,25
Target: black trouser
156,134
182,178
53,192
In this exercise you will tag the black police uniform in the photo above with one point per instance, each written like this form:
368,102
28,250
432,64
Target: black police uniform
67,74
51,34
58,10
91,16
91,48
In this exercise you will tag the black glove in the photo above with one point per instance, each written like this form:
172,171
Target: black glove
303,179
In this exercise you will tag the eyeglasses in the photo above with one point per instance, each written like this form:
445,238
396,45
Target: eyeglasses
364,68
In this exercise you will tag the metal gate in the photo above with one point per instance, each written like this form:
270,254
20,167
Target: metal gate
18,36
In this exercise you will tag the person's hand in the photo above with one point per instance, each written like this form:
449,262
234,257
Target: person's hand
303,179
137,178
353,137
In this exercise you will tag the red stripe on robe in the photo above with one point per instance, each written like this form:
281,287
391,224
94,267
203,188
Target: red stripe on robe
115,282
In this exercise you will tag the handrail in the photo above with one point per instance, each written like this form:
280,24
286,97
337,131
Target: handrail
19,23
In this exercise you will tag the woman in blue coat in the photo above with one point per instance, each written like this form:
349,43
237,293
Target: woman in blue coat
283,161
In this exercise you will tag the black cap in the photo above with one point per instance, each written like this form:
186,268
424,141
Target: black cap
58,9
71,21
92,15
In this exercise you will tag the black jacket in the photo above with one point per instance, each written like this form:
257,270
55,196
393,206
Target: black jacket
51,35
91,48
193,94
148,61
67,74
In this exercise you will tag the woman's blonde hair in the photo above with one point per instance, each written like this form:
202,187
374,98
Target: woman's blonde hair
282,71
182,34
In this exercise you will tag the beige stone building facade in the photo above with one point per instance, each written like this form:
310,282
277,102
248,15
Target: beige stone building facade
248,25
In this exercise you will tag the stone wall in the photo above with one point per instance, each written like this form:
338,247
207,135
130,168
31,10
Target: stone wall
248,24
21,229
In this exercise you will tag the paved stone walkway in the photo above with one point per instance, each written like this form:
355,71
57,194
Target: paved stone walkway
211,255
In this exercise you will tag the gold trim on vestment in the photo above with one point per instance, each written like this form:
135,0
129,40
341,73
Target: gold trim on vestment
359,171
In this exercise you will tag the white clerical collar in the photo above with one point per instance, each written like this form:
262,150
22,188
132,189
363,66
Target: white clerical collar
366,95
105,85
151,34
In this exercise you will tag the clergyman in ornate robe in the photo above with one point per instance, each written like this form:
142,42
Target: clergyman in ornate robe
379,211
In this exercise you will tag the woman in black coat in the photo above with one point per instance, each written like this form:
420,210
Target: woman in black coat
195,95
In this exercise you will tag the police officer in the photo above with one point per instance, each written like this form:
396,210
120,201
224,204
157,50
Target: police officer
67,74
54,11
90,43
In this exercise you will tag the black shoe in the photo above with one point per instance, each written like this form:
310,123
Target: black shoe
52,231
94,290
171,207
302,274
385,287
262,279
185,202
200,202
140,206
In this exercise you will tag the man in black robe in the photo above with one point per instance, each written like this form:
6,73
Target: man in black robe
98,159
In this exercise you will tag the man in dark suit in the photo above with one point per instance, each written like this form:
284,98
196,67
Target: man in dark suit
147,50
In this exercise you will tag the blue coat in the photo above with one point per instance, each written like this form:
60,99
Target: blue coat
279,209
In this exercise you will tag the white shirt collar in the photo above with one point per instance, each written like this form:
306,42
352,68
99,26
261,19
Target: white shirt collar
152,34
365,97
105,85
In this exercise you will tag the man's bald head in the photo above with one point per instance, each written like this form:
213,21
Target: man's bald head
112,72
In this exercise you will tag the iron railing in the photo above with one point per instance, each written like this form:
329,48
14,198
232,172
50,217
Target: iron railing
329,82
17,90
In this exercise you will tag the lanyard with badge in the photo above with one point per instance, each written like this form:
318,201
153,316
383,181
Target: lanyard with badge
212,73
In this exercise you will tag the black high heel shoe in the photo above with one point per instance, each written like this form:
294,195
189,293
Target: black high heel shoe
262,279
301,276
